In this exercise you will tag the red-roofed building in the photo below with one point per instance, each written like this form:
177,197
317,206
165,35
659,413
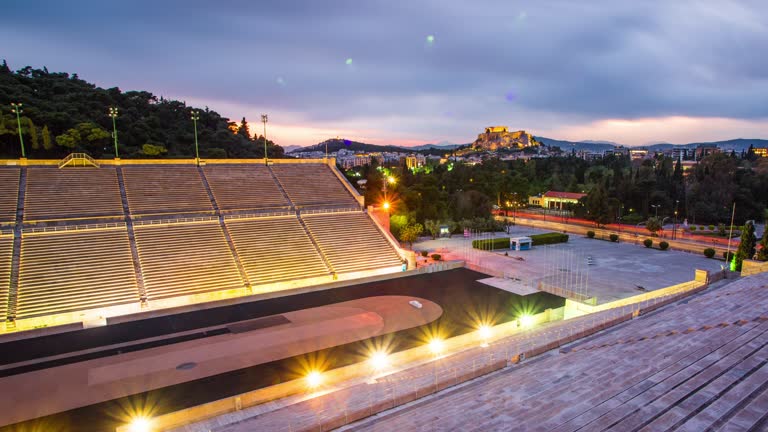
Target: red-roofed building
555,200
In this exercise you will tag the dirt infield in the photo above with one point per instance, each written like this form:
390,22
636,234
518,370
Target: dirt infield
44,392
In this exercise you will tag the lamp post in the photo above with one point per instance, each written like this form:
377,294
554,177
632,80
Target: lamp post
16,108
674,227
264,120
656,206
195,118
113,114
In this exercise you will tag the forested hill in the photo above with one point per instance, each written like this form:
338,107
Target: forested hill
64,114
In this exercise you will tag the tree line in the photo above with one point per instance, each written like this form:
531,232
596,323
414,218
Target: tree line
616,187
63,114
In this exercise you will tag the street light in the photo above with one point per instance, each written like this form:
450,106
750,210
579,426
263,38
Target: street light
16,107
113,114
674,227
195,117
656,206
264,120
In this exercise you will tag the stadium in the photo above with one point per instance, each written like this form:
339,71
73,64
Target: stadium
240,295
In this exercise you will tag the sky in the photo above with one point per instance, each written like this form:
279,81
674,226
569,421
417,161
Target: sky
416,72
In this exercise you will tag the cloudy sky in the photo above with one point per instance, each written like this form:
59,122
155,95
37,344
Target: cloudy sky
414,72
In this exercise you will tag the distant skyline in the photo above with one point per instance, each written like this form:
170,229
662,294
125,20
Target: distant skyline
410,73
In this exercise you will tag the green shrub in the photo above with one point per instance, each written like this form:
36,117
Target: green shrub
548,238
632,219
424,253
663,245
648,243
491,243
709,252
614,237
693,228
701,227
711,227
728,256
591,234
436,257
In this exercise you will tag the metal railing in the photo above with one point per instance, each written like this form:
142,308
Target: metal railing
78,159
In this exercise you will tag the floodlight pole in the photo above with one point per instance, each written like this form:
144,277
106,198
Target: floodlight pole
113,114
16,108
195,118
264,120
730,234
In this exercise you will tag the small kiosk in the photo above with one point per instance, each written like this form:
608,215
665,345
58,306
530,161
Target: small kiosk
520,243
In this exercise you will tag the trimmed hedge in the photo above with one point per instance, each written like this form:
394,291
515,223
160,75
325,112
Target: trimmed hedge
614,237
709,252
424,253
663,245
728,256
591,234
437,257
491,243
648,243
548,238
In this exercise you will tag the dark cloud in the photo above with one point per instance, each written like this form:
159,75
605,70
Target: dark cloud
514,62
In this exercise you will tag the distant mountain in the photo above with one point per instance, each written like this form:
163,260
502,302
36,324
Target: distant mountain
599,142
593,146
291,148
335,144
736,145
440,146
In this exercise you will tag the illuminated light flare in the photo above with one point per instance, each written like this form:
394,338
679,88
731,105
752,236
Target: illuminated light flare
436,345
379,360
386,205
314,379
526,320
484,331
140,424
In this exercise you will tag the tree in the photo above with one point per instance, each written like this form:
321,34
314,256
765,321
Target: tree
47,142
33,136
153,150
762,254
747,245
411,233
432,227
81,136
598,209
653,225
242,130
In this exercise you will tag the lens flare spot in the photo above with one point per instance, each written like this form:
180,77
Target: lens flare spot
510,96
431,39
348,61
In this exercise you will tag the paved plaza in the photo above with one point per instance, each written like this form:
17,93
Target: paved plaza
596,268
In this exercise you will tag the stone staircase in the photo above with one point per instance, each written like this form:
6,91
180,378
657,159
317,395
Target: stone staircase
132,240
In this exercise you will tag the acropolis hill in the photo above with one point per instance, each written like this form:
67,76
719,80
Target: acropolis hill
496,137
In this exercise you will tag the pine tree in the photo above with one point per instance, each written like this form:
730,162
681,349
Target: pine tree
747,246
32,131
47,142
762,254
242,130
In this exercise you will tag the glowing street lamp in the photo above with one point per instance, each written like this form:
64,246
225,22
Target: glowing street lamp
314,379
195,118
436,346
379,360
485,333
113,114
391,180
386,205
140,424
526,320
264,120
16,108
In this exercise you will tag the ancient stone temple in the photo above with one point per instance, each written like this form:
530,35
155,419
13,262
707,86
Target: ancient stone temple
496,137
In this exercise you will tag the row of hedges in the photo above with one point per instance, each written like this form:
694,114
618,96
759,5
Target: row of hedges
710,253
662,245
549,238
491,244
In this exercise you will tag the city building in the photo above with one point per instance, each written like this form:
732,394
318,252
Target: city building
705,150
760,151
638,154
555,200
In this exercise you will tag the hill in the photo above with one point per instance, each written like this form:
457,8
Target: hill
593,146
63,114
